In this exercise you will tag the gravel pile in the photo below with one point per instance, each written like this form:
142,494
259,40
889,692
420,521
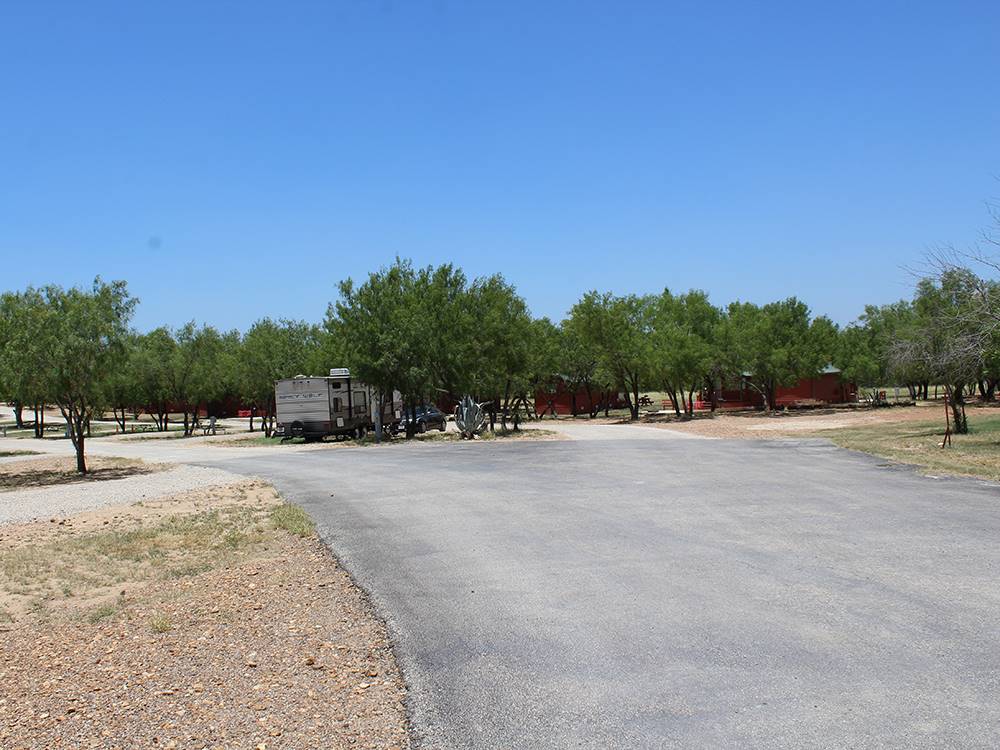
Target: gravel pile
58,501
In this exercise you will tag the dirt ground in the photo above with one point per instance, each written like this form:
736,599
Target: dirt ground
42,472
211,619
761,425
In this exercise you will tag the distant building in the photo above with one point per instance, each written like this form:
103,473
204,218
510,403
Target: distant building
826,388
560,399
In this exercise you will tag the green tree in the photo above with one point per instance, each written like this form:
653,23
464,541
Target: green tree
271,351
617,331
576,364
776,344
152,362
862,352
945,340
684,349
87,334
25,378
500,345
122,385
197,373
383,323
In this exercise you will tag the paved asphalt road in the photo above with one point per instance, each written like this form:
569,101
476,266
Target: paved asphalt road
668,593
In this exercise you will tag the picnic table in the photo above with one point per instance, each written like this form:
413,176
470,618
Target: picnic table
212,427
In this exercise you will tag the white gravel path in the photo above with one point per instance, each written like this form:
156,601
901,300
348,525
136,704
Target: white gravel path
64,500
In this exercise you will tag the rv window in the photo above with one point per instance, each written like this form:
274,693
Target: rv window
336,404
336,384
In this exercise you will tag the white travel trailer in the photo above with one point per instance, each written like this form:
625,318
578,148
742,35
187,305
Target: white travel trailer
314,407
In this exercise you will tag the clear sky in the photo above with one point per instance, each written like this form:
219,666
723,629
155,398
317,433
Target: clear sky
233,160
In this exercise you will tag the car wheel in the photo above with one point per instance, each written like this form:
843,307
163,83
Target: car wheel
422,426
443,426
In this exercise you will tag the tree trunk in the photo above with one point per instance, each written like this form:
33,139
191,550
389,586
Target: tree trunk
772,393
956,401
75,421
632,397
672,393
81,459
18,415
572,404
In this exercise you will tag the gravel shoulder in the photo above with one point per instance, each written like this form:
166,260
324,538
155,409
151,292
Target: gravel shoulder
68,498
210,618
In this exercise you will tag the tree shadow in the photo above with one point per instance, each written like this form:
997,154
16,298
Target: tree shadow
49,477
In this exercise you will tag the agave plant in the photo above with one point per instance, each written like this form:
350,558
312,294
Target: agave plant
470,417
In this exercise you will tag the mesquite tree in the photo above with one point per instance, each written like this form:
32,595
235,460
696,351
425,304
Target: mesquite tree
86,333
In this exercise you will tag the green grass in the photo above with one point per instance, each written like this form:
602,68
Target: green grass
293,519
976,454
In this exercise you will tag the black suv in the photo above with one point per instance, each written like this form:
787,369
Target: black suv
428,417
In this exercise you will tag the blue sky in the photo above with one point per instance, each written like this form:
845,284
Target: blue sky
233,160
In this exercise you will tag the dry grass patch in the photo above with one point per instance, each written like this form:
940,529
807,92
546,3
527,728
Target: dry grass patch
44,472
976,454
90,558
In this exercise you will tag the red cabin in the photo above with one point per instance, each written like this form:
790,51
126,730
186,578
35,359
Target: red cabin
559,398
826,388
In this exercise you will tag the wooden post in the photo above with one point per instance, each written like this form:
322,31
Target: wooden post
947,423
